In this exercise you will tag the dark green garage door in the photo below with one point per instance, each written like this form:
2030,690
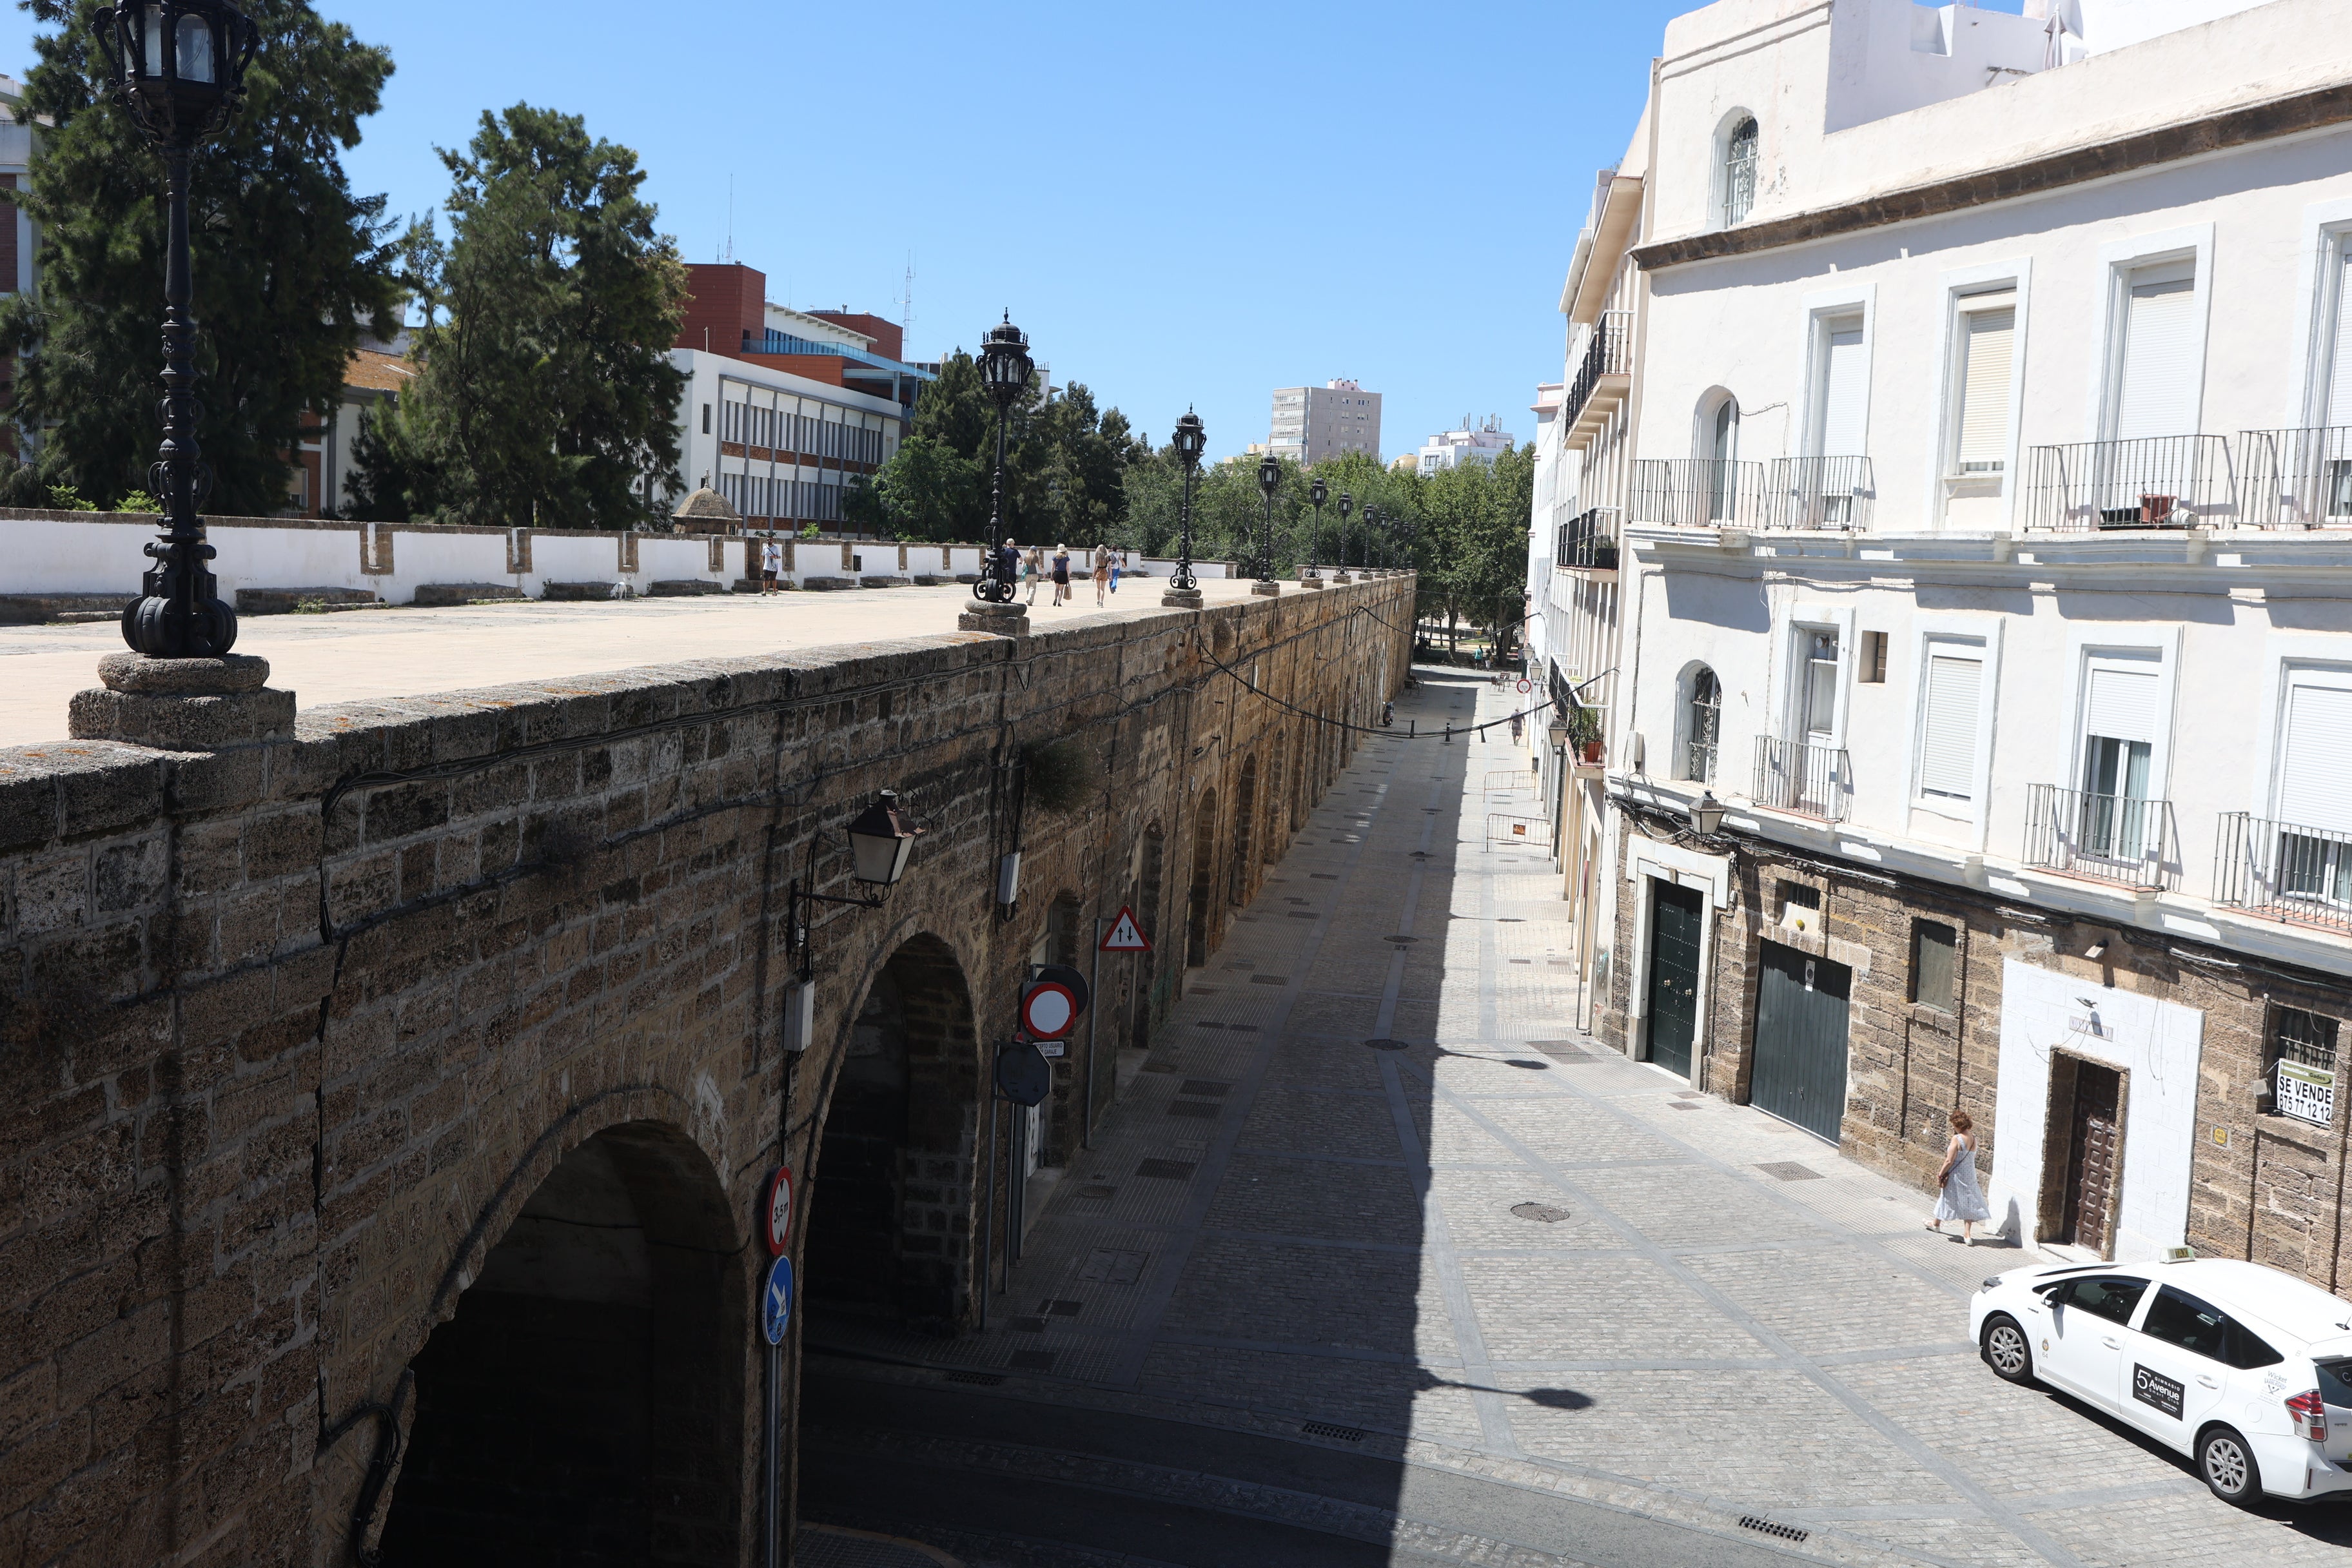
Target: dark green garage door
1800,1005
1675,917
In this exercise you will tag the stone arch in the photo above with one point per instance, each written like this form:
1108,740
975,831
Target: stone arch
1302,787
1200,918
1245,829
890,1219
1277,811
584,1401
1150,895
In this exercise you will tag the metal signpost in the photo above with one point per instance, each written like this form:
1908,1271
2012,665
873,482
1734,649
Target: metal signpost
775,1317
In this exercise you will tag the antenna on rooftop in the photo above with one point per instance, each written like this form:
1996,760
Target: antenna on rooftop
906,306
729,255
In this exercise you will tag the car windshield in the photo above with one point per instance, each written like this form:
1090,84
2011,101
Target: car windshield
2336,1382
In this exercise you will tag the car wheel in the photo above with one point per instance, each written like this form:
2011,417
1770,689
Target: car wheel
2006,1350
2228,1466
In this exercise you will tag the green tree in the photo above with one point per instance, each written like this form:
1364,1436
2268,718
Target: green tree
545,391
290,266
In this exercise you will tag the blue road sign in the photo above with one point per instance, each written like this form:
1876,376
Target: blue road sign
776,1302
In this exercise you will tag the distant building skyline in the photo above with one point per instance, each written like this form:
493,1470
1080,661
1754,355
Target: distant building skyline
1469,444
1313,423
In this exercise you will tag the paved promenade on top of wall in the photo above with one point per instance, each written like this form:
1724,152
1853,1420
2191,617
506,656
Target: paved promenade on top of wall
1371,1179
356,655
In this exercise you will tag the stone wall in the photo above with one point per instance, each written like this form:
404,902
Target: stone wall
293,1032
2263,1184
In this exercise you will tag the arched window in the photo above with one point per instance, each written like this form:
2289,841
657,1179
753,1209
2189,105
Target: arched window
1738,179
1702,720
1720,441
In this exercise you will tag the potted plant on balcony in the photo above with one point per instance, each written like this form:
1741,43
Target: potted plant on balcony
1584,735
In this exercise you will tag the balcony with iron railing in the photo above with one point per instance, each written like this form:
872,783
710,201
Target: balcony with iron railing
1587,542
1696,493
2163,481
2104,838
2284,871
1603,375
2295,478
1829,492
1801,778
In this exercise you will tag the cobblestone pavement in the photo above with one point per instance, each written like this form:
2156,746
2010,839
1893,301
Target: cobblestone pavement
1485,1246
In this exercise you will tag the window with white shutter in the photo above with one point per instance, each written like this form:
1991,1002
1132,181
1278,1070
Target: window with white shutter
2316,752
2156,394
1948,745
1988,334
1842,406
2121,700
2339,366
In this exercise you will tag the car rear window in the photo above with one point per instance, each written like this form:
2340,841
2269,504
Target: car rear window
2179,1319
2336,1382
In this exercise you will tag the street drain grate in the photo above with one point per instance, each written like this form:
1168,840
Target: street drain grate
1206,1024
1203,1109
1400,939
1204,1086
1542,1214
1790,1171
1781,1531
1333,1429
1272,979
1681,1105
1390,1045
1166,1170
979,1379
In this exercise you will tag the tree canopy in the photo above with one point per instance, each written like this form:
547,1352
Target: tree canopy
290,266
544,391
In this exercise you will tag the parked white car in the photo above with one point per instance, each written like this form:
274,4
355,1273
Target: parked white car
2245,1369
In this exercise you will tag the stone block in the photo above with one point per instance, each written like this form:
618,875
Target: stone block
578,591
682,588
176,723
441,595
291,601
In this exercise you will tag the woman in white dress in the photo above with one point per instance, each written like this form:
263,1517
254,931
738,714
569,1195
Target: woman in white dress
1960,1198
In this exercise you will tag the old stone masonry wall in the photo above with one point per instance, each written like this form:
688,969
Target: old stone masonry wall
294,1032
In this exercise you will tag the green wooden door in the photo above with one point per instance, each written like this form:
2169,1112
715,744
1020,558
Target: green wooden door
1800,1016
1675,917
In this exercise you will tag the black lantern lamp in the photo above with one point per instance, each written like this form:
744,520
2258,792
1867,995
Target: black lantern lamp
177,67
1372,533
1706,814
1191,440
880,842
1004,370
1317,494
1269,479
1347,505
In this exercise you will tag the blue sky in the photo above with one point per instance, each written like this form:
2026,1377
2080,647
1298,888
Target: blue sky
1181,204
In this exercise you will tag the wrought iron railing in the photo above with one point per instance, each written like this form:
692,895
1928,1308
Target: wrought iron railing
1798,776
2297,479
1821,492
2284,871
1698,760
2107,837
1588,541
1608,351
1698,492
2163,481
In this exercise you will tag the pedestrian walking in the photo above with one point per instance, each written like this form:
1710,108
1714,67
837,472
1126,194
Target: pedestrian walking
1008,567
1118,563
1960,1198
1033,566
772,564
1102,574
1519,725
1061,575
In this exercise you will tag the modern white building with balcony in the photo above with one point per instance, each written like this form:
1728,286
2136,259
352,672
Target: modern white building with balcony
1983,545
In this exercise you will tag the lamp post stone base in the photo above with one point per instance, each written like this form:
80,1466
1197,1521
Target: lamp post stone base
1310,582
1001,620
182,704
1339,578
1266,590
1181,599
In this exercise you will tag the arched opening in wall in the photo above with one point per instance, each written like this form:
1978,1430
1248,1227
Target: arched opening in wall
1737,140
1244,823
1277,816
584,1405
1698,720
889,1227
1150,987
1198,934
1303,777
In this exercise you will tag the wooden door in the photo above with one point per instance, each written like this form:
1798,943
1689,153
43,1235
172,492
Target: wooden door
1800,1039
2095,1158
1675,918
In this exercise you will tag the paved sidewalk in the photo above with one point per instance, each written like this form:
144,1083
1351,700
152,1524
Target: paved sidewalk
1372,1192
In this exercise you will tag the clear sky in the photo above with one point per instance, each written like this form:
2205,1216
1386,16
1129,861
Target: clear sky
1191,203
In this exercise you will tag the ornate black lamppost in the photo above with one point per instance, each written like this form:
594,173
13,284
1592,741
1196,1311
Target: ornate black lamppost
177,67
1269,479
1372,535
1191,440
1347,505
1004,370
1318,493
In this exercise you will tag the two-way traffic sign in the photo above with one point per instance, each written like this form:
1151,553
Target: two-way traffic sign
1124,935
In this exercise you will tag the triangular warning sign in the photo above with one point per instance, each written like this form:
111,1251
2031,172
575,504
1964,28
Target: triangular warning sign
1124,935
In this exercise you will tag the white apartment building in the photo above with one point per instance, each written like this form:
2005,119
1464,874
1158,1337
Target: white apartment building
1313,422
779,446
1953,483
1470,444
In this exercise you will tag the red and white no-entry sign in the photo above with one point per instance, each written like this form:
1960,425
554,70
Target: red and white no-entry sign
1048,1009
1124,935
778,1210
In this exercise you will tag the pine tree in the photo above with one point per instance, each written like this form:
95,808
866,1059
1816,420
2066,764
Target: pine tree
544,392
290,266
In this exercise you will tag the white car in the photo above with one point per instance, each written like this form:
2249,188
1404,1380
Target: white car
2245,1369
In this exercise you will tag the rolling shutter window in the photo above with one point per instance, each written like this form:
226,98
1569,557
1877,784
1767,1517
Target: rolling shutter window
1985,372
2158,395
2339,383
1845,392
2122,704
1947,754
2316,759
